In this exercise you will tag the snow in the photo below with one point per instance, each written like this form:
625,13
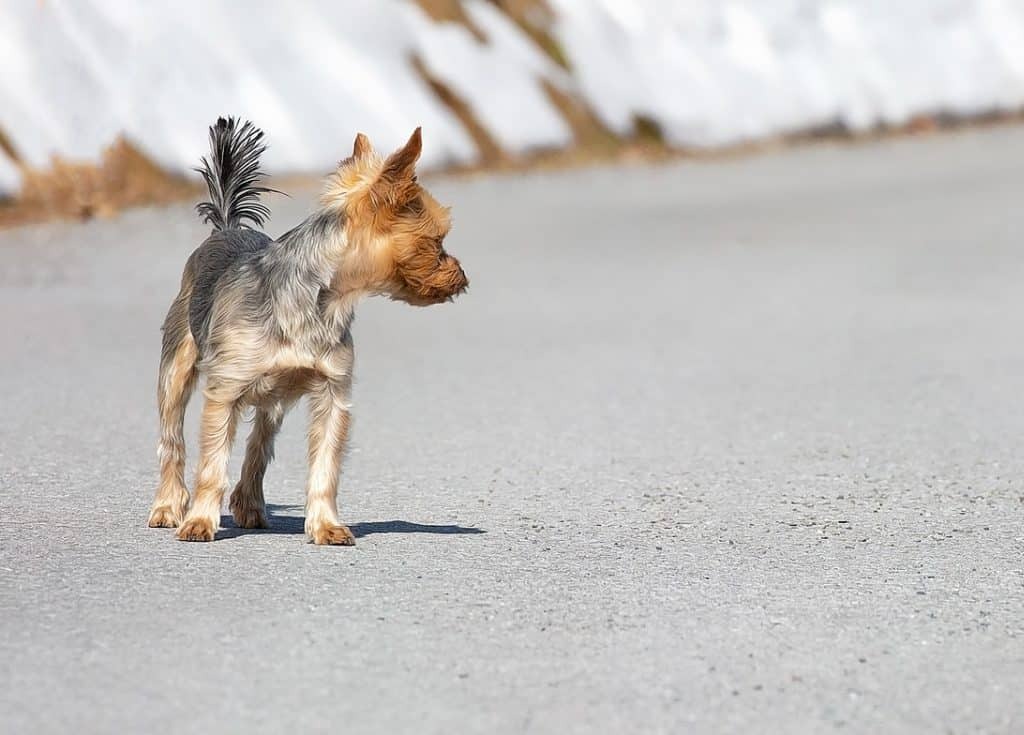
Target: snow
10,177
76,73
499,80
714,73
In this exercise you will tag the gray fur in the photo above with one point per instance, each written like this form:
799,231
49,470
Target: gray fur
241,274
224,253
239,277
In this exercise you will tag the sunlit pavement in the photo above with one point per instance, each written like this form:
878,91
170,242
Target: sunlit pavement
710,447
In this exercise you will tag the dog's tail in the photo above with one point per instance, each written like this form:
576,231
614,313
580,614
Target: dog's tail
233,176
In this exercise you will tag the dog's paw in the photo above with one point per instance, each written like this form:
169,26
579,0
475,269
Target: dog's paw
247,515
165,517
196,529
249,518
333,536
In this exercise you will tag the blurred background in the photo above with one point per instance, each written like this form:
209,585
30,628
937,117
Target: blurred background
116,95
726,444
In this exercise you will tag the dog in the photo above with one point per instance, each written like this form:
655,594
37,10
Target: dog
267,321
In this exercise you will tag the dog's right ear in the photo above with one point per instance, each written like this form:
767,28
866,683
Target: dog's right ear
396,183
401,164
362,147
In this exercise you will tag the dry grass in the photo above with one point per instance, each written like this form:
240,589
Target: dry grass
126,178
123,178
451,11
587,129
646,149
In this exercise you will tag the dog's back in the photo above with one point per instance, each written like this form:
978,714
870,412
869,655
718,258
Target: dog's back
232,176
221,254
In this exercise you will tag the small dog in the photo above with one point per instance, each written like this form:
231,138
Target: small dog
269,320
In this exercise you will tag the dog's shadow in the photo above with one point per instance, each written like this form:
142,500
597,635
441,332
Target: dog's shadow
292,524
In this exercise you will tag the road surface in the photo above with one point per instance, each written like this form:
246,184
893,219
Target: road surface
728,447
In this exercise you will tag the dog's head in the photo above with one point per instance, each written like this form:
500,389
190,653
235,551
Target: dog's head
395,228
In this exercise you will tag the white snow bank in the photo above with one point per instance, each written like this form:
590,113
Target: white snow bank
713,73
75,73
10,177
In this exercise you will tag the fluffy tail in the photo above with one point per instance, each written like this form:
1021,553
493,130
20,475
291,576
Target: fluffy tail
233,176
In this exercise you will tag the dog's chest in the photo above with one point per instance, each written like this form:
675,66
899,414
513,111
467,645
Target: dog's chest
329,360
280,386
293,370
309,341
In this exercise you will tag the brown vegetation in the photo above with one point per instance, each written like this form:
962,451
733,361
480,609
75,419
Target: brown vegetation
124,177
451,11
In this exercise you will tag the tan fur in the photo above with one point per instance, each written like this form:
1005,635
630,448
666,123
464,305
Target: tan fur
328,435
394,227
391,244
216,433
361,147
173,393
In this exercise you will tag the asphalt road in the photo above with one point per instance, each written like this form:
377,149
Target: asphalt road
729,446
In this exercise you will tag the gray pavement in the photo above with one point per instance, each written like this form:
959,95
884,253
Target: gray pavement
712,447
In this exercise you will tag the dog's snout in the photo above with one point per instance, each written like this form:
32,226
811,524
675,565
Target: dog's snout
458,278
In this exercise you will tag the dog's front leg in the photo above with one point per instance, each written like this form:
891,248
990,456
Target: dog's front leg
328,435
216,432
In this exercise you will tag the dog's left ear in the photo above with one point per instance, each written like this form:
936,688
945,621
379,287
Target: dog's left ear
362,147
401,165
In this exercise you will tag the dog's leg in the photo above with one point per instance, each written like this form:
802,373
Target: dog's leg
328,434
216,432
177,379
246,502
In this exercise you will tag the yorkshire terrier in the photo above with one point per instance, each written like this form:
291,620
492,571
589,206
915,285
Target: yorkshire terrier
268,320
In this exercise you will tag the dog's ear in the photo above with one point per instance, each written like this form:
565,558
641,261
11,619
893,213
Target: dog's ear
362,146
401,165
396,184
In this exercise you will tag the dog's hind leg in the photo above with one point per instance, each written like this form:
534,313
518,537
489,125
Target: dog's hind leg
246,502
177,380
216,433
